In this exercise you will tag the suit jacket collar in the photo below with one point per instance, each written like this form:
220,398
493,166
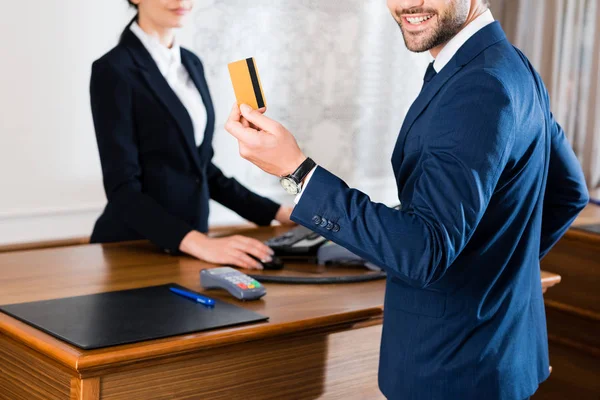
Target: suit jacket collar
480,41
161,88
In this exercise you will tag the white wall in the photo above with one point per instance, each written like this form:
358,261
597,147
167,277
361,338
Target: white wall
50,176
49,168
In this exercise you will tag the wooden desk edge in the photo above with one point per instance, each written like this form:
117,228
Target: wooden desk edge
85,362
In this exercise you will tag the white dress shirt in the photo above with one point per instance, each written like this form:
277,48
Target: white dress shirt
444,56
169,63
450,49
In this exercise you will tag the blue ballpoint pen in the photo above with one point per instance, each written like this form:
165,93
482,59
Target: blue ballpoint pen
196,297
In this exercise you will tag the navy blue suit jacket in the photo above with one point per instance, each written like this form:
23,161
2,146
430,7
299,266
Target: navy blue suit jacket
157,181
488,183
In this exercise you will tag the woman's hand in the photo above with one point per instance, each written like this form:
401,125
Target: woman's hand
283,215
231,250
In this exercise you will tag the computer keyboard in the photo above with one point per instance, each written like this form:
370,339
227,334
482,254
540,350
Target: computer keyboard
299,241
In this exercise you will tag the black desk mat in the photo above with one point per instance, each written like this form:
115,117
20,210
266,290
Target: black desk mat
128,316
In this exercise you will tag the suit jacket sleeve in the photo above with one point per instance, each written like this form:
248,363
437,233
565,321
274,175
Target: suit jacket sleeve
566,193
236,197
466,152
111,100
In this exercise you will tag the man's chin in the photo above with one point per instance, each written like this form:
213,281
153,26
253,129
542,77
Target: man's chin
414,42
416,47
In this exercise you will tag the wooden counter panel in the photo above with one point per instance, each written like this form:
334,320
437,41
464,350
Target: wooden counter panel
26,375
340,365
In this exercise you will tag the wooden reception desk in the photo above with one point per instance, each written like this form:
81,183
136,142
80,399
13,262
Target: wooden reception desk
322,341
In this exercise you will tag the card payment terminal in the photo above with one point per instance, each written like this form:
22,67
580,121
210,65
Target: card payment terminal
238,284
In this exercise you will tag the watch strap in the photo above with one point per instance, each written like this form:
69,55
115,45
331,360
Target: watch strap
300,173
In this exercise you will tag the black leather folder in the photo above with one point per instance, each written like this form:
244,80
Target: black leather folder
129,316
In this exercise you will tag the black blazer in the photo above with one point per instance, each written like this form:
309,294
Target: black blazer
157,181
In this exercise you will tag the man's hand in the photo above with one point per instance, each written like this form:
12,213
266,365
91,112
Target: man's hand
264,142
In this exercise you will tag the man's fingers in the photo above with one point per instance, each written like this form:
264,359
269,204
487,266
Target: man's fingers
245,122
256,118
240,132
235,113
240,128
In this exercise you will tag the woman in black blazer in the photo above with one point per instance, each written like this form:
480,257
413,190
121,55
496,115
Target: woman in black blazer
154,122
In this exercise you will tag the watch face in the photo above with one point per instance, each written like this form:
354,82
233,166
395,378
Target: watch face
290,185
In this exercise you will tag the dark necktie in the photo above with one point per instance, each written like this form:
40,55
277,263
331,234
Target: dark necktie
429,74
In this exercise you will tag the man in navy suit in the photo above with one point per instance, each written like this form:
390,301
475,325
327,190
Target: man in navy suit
488,183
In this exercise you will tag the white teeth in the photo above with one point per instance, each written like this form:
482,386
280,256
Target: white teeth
418,20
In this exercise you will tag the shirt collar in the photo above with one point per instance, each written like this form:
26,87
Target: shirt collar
450,49
165,58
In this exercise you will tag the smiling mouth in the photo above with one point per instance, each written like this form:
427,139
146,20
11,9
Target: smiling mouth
418,20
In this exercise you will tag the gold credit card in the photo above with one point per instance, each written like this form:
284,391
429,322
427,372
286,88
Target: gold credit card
246,83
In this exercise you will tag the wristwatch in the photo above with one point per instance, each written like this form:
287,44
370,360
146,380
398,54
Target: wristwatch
292,183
